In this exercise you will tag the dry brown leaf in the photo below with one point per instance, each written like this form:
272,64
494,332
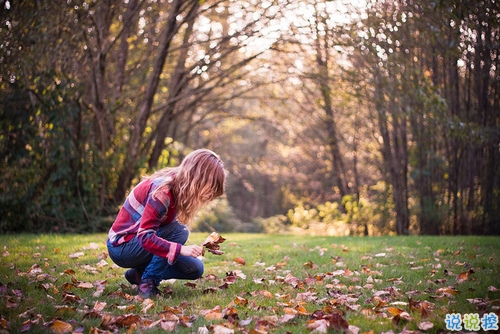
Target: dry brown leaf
317,326
462,277
219,329
11,303
286,318
395,311
68,286
348,272
301,310
230,312
61,327
212,314
447,291
283,297
236,273
85,285
426,325
69,298
76,255
311,265
147,304
168,326
212,243
402,316
240,301
99,306
128,320
353,329
69,272
203,330
25,326
266,293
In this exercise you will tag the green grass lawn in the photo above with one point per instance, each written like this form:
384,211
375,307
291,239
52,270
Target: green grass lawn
287,284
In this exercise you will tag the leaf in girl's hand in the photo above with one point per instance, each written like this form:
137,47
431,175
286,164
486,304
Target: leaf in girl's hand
212,243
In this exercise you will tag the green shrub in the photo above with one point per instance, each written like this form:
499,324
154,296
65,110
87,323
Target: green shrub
217,216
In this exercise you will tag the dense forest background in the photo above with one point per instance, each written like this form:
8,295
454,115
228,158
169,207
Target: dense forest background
380,118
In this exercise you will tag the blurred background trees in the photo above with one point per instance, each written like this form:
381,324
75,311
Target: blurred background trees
331,117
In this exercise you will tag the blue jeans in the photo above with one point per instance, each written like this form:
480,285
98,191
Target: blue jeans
132,255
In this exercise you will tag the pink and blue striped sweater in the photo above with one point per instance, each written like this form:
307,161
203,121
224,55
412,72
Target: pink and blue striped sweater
141,215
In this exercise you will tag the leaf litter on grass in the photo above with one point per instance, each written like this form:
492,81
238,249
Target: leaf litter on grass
335,289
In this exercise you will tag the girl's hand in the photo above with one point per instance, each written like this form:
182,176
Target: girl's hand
193,251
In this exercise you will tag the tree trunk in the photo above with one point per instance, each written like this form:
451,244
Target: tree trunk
324,82
394,153
127,173
177,85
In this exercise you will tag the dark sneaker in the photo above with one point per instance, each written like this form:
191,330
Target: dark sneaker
148,288
133,276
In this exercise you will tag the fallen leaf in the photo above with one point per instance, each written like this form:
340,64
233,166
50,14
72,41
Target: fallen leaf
102,263
127,320
286,318
76,255
426,325
85,285
317,326
69,272
353,329
447,291
99,306
25,326
61,327
240,301
34,270
203,330
311,265
91,246
212,314
236,273
168,326
147,304
402,316
462,277
68,286
301,310
11,303
266,293
219,329
395,311
69,298
245,322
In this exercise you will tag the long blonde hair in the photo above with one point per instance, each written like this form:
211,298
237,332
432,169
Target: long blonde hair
199,179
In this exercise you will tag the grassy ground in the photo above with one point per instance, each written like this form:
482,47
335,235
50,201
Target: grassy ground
287,284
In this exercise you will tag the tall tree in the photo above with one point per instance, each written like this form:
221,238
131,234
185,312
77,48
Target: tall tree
129,74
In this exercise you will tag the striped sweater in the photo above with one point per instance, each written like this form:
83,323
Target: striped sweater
141,215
